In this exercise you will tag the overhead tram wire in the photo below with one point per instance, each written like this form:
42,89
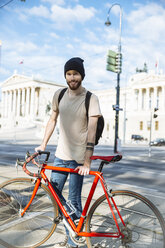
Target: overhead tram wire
7,2
3,5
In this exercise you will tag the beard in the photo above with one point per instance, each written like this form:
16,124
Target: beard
74,84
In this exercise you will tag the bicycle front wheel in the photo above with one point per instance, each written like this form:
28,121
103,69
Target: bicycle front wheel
144,225
37,224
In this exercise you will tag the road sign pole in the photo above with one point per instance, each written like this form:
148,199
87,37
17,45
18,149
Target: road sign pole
117,114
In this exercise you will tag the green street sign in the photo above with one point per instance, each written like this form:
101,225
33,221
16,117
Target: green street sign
111,68
111,60
112,54
114,61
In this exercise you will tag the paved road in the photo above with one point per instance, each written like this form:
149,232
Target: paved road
136,171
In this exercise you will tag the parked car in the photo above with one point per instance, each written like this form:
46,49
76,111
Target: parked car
158,142
137,137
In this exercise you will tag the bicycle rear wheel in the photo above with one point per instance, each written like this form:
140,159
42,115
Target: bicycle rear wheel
145,226
37,224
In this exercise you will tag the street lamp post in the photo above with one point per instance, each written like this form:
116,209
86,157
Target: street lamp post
108,23
152,115
149,150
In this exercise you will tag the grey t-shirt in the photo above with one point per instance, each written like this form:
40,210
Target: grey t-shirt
73,124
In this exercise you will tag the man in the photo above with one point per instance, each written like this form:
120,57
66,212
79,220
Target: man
76,138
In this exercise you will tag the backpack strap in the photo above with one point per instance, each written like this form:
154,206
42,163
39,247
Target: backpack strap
61,95
87,100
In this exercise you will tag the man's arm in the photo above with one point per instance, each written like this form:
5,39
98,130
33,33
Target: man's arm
48,131
92,125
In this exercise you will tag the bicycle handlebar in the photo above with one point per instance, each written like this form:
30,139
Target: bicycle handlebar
30,158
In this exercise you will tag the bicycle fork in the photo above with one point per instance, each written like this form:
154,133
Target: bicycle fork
37,184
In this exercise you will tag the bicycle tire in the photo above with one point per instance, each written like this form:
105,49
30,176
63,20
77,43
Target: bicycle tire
145,226
37,224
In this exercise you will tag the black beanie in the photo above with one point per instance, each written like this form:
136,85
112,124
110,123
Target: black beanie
75,64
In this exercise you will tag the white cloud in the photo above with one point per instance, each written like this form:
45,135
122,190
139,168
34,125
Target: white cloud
41,11
67,16
4,71
148,21
57,2
61,16
143,37
91,36
70,46
25,47
54,35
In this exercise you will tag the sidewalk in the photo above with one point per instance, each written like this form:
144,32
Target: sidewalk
21,136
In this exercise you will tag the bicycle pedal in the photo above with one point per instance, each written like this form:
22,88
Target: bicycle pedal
58,219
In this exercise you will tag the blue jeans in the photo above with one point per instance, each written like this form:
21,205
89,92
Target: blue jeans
58,180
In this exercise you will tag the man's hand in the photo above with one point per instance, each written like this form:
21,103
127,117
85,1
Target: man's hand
40,148
83,170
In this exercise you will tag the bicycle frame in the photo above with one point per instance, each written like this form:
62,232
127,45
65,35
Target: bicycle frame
76,230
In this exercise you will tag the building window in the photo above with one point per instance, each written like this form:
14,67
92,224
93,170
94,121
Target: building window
141,125
156,125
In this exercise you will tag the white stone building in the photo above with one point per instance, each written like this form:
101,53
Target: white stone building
144,93
25,101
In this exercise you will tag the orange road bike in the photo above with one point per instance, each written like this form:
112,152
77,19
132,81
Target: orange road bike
29,212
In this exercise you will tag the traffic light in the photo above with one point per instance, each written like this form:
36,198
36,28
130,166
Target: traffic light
155,115
114,61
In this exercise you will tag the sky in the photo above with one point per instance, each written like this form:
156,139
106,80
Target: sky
37,37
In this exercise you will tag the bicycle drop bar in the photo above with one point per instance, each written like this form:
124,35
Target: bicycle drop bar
46,153
31,158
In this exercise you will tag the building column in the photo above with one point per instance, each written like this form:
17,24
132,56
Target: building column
3,103
18,102
140,100
23,102
135,99
32,102
27,101
10,103
162,105
6,103
14,103
37,101
147,98
155,97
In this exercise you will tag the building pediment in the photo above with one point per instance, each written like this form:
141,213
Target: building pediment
21,81
15,79
143,79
